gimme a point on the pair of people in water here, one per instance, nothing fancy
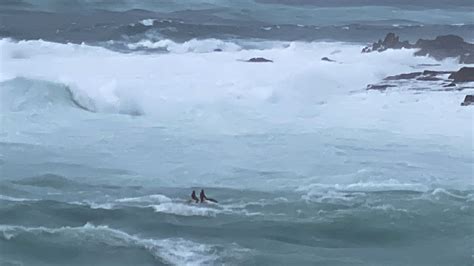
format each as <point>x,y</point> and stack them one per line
<point>202,197</point>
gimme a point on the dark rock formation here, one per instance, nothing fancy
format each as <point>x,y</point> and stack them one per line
<point>391,41</point>
<point>416,81</point>
<point>218,50</point>
<point>259,60</point>
<point>327,59</point>
<point>428,78</point>
<point>468,100</point>
<point>465,74</point>
<point>427,75</point>
<point>447,46</point>
<point>440,48</point>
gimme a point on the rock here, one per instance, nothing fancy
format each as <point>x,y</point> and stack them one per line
<point>259,60</point>
<point>379,87</point>
<point>427,75</point>
<point>440,48</point>
<point>218,50</point>
<point>450,85</point>
<point>391,41</point>
<point>327,59</point>
<point>428,78</point>
<point>468,100</point>
<point>446,46</point>
<point>404,76</point>
<point>464,74</point>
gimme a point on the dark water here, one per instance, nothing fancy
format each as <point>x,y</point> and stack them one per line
<point>100,21</point>
<point>333,227</point>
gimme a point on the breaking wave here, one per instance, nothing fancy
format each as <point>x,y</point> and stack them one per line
<point>22,94</point>
<point>177,251</point>
<point>217,89</point>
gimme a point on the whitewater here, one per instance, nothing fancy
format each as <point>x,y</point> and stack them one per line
<point>102,143</point>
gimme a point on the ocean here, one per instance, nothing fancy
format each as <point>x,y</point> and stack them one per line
<point>113,112</point>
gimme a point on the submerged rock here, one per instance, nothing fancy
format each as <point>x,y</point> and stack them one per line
<point>327,59</point>
<point>450,85</point>
<point>416,81</point>
<point>464,74</point>
<point>468,100</point>
<point>259,60</point>
<point>440,48</point>
<point>379,87</point>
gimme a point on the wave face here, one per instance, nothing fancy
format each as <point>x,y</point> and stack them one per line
<point>298,91</point>
<point>113,112</point>
<point>163,251</point>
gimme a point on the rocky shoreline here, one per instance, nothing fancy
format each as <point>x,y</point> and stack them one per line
<point>430,80</point>
<point>440,48</point>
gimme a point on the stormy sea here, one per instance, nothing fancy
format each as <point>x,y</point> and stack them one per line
<point>330,132</point>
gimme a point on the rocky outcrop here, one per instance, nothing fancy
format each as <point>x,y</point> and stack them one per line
<point>427,75</point>
<point>465,74</point>
<point>404,76</point>
<point>446,46</point>
<point>259,60</point>
<point>428,80</point>
<point>440,48</point>
<point>468,100</point>
<point>391,41</point>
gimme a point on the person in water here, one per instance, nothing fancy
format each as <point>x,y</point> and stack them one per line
<point>203,197</point>
<point>194,197</point>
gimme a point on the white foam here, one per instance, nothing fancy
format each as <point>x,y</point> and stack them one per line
<point>155,198</point>
<point>351,193</point>
<point>184,209</point>
<point>95,205</point>
<point>442,191</point>
<point>8,198</point>
<point>388,208</point>
<point>385,185</point>
<point>191,46</point>
<point>147,22</point>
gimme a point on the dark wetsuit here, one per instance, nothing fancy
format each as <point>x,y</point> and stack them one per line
<point>194,197</point>
<point>203,197</point>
